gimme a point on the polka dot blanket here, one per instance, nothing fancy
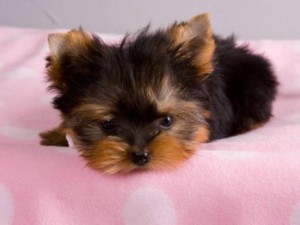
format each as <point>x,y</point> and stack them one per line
<point>249,179</point>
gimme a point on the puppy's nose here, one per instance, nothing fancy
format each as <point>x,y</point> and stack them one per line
<point>140,158</point>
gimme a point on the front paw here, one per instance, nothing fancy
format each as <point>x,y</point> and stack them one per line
<point>55,137</point>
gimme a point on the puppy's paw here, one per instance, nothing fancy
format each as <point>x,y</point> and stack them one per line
<point>56,137</point>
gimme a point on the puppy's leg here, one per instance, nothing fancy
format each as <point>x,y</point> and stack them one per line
<point>56,136</point>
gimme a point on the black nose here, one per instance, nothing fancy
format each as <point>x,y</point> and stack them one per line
<point>140,158</point>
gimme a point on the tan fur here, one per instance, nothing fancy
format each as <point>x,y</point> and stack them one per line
<point>110,156</point>
<point>202,134</point>
<point>92,111</point>
<point>75,43</point>
<point>167,100</point>
<point>207,114</point>
<point>168,152</point>
<point>76,40</point>
<point>198,27</point>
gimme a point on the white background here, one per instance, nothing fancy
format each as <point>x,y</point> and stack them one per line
<point>251,19</point>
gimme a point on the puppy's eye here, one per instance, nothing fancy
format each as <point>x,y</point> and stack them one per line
<point>108,125</point>
<point>166,122</point>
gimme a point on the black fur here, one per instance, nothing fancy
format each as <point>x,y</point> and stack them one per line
<point>238,92</point>
<point>242,89</point>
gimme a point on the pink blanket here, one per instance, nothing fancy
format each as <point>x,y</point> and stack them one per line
<point>250,179</point>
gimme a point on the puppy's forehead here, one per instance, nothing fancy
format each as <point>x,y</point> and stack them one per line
<point>145,54</point>
<point>144,102</point>
<point>142,106</point>
<point>92,110</point>
<point>140,103</point>
<point>149,103</point>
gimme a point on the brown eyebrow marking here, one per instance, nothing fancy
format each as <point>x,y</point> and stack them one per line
<point>93,111</point>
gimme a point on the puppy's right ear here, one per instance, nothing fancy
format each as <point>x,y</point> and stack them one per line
<point>56,43</point>
<point>68,54</point>
<point>75,42</point>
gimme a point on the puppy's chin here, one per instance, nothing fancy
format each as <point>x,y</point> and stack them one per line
<point>112,155</point>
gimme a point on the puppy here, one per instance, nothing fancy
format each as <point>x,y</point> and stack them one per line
<point>148,102</point>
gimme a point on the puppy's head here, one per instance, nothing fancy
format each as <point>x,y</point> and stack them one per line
<point>138,104</point>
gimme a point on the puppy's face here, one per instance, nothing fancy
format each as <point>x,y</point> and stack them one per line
<point>137,105</point>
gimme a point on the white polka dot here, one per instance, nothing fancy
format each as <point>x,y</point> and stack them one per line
<point>232,155</point>
<point>293,118</point>
<point>295,215</point>
<point>149,206</point>
<point>297,47</point>
<point>18,133</point>
<point>23,73</point>
<point>66,150</point>
<point>6,206</point>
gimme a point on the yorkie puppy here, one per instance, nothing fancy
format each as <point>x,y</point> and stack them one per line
<point>147,102</point>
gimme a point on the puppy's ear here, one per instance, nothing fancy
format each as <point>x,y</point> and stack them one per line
<point>70,55</point>
<point>74,42</point>
<point>56,42</point>
<point>194,39</point>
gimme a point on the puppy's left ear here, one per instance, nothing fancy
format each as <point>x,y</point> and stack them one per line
<point>194,39</point>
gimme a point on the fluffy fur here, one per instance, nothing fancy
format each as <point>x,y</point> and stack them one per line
<point>149,101</point>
